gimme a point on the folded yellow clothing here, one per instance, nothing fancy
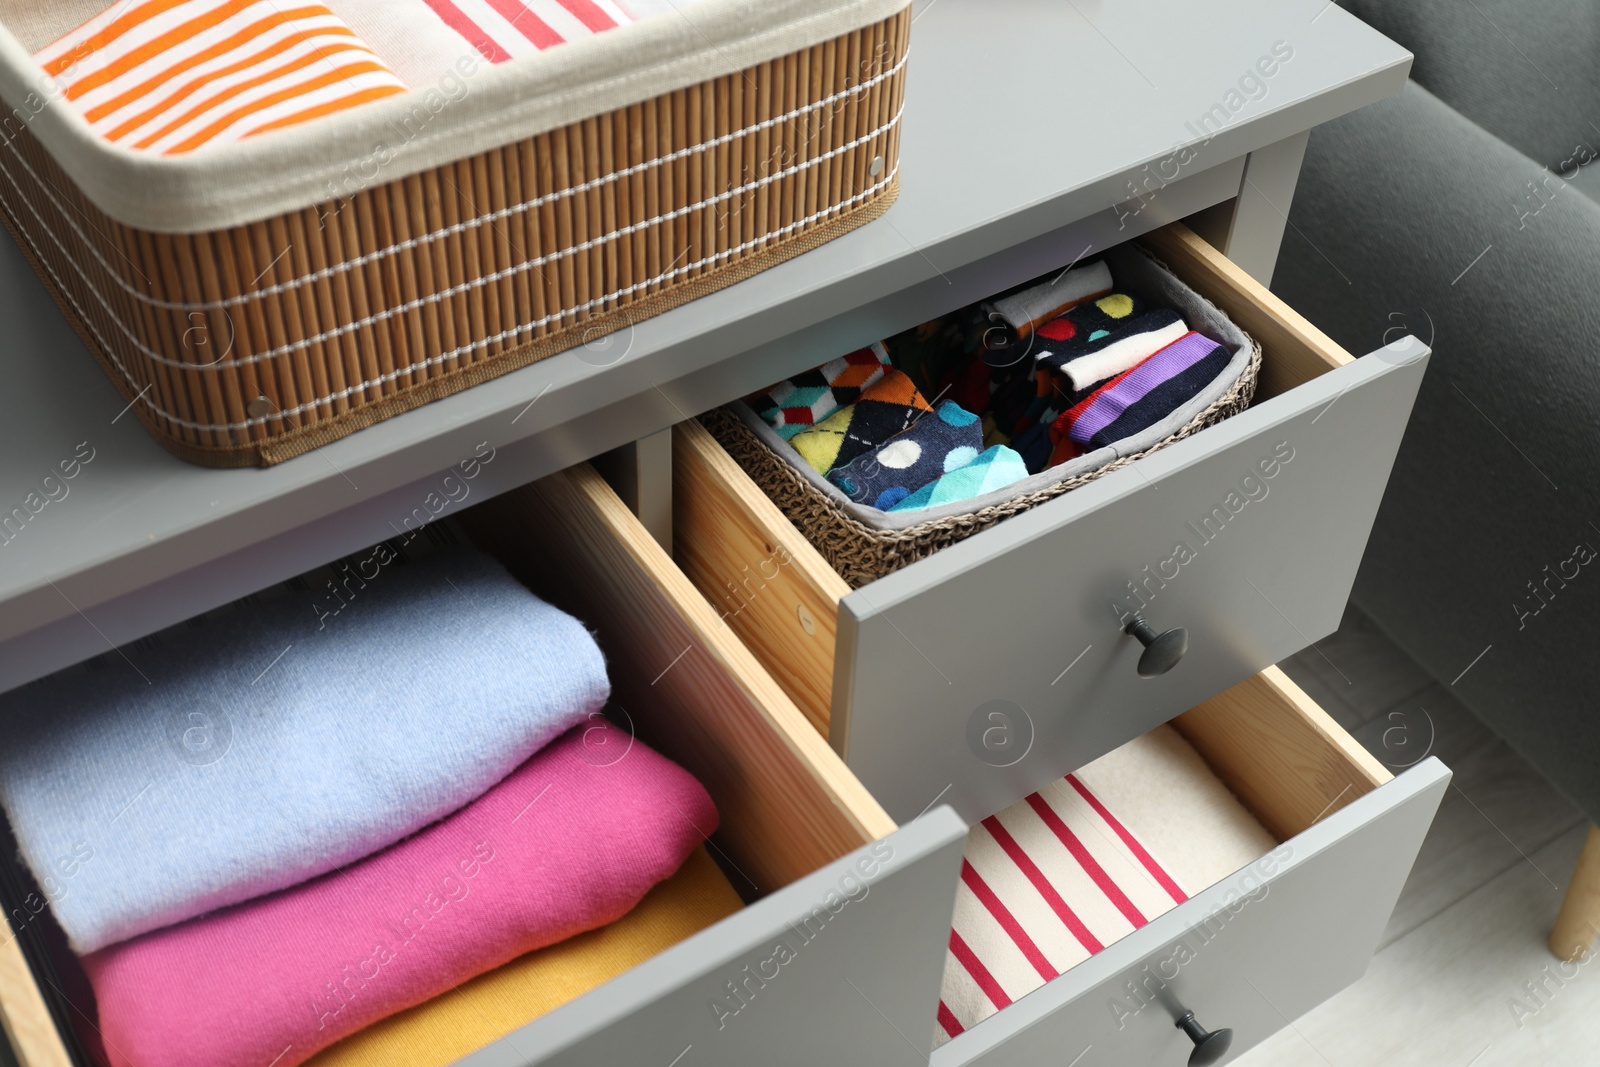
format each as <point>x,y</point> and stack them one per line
<point>493,1005</point>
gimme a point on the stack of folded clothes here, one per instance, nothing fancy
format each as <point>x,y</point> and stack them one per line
<point>1024,382</point>
<point>298,825</point>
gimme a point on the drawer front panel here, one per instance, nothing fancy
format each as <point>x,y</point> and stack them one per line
<point>847,893</point>
<point>1252,953</point>
<point>836,968</point>
<point>987,670</point>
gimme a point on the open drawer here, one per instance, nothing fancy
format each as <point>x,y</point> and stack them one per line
<point>849,916</point>
<point>1264,945</point>
<point>976,673</point>
<point>825,871</point>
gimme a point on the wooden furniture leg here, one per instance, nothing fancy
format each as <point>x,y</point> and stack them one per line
<point>1579,920</point>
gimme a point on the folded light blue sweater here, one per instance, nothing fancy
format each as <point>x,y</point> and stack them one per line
<point>277,740</point>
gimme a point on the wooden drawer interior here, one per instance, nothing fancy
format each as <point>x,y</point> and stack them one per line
<point>779,593</point>
<point>693,690</point>
<point>695,693</point>
<point>688,686</point>
<point>1319,899</point>
<point>1283,756</point>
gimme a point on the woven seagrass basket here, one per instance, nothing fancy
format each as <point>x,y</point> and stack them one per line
<point>862,553</point>
<point>249,343</point>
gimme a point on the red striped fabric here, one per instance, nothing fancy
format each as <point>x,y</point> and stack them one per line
<point>1082,863</point>
<point>470,31</point>
<point>1145,859</point>
<point>1045,884</point>
<point>1086,861</point>
<point>506,29</point>
<point>980,889</point>
<point>1042,885</point>
<point>980,974</point>
<point>947,1020</point>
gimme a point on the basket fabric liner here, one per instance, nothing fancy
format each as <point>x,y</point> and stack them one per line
<point>241,182</point>
<point>388,285</point>
<point>864,543</point>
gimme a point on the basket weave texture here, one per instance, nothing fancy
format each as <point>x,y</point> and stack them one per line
<point>862,554</point>
<point>253,344</point>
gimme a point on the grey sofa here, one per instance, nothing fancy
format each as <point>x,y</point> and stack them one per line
<point>1463,211</point>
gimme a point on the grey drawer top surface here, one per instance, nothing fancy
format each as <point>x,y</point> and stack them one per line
<point>135,517</point>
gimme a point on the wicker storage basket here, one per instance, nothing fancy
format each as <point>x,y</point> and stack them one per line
<point>862,552</point>
<point>249,316</point>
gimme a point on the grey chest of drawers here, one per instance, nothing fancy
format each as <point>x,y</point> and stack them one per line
<point>1035,134</point>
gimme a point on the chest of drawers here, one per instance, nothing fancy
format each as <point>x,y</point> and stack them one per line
<point>817,716</point>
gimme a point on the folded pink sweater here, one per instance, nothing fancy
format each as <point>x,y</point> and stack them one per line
<point>570,841</point>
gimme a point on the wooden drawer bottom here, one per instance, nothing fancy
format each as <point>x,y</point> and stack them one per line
<point>1264,945</point>
<point>799,835</point>
<point>848,916</point>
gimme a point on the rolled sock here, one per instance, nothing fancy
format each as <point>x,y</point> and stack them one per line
<point>796,405</point>
<point>1087,323</point>
<point>443,1030</point>
<point>1012,401</point>
<point>1064,447</point>
<point>1026,310</point>
<point>949,438</point>
<point>1118,350</point>
<point>928,352</point>
<point>995,469</point>
<point>568,842</point>
<point>285,737</point>
<point>1150,392</point>
<point>884,410</point>
<point>1034,445</point>
<point>1076,332</point>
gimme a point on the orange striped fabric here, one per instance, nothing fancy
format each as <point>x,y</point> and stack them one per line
<point>171,76</point>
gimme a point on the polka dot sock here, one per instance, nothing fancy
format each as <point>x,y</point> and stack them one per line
<point>995,469</point>
<point>883,411</point>
<point>935,444</point>
<point>1082,361</point>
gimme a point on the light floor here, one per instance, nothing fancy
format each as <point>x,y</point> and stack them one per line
<point>1448,987</point>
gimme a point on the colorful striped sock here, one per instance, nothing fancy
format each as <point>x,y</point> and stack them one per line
<point>1150,391</point>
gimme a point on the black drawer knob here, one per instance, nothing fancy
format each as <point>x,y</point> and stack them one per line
<point>1161,651</point>
<point>1209,1045</point>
